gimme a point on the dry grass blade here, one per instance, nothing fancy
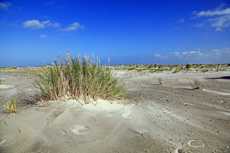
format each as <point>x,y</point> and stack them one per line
<point>198,84</point>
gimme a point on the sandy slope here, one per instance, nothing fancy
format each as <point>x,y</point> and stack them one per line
<point>158,118</point>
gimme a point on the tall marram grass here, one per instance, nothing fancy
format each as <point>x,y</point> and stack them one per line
<point>78,78</point>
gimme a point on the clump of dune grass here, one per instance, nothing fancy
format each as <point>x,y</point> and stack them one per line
<point>160,81</point>
<point>188,66</point>
<point>151,66</point>
<point>2,81</point>
<point>13,68</point>
<point>11,106</point>
<point>198,84</point>
<point>78,78</point>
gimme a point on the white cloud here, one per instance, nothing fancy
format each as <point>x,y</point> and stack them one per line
<point>73,26</point>
<point>43,36</point>
<point>4,6</point>
<point>192,52</point>
<point>55,25</point>
<point>185,53</point>
<point>201,56</point>
<point>181,20</point>
<point>196,54</point>
<point>221,20</point>
<point>176,28</point>
<point>49,3</point>
<point>212,13</point>
<point>199,25</point>
<point>157,55</point>
<point>35,24</point>
<point>176,53</point>
<point>46,22</point>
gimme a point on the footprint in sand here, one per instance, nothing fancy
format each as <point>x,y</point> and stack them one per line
<point>79,130</point>
<point>191,143</point>
<point>195,144</point>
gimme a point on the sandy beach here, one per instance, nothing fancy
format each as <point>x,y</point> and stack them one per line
<point>167,118</point>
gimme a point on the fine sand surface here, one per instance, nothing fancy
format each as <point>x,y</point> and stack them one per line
<point>156,118</point>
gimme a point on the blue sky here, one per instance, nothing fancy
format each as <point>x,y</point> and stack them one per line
<point>126,31</point>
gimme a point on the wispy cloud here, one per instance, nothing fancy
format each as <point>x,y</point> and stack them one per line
<point>49,3</point>
<point>201,56</point>
<point>220,17</point>
<point>157,55</point>
<point>74,26</point>
<point>48,23</point>
<point>181,20</point>
<point>199,25</point>
<point>55,25</point>
<point>36,24</point>
<point>4,6</point>
<point>176,28</point>
<point>220,22</point>
<point>213,13</point>
<point>43,36</point>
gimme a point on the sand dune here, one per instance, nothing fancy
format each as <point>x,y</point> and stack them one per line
<point>157,118</point>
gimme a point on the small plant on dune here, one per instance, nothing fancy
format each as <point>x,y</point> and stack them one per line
<point>151,66</point>
<point>198,85</point>
<point>160,81</point>
<point>206,70</point>
<point>2,81</point>
<point>11,107</point>
<point>78,78</point>
<point>133,68</point>
<point>143,73</point>
<point>13,68</point>
<point>188,66</point>
<point>203,66</point>
<point>161,66</point>
<point>176,71</point>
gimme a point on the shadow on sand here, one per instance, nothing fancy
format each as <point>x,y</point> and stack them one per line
<point>224,77</point>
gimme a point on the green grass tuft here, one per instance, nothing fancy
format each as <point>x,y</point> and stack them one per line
<point>78,78</point>
<point>11,107</point>
<point>2,81</point>
<point>198,84</point>
<point>188,66</point>
<point>160,81</point>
